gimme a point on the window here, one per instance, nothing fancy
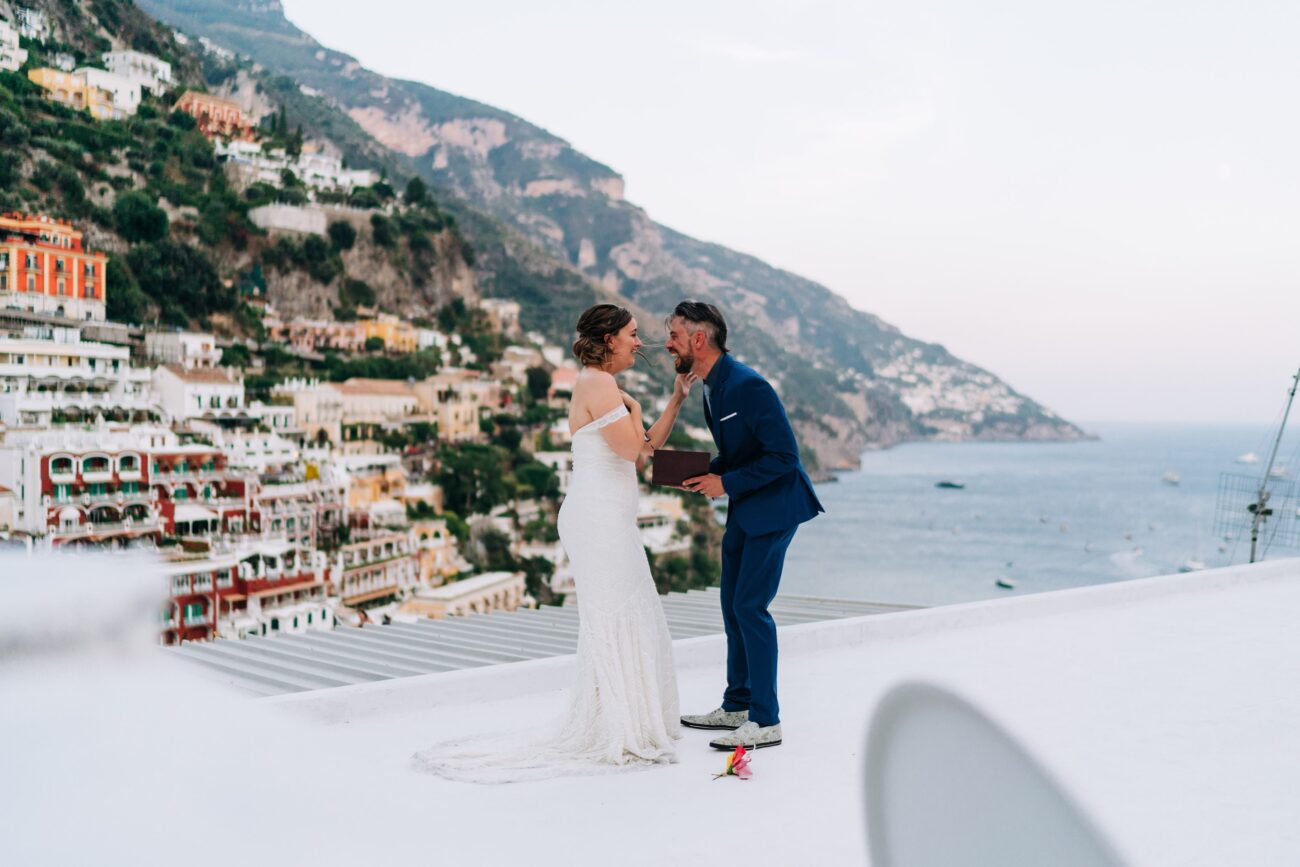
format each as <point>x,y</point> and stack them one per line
<point>62,493</point>
<point>58,266</point>
<point>62,290</point>
<point>31,283</point>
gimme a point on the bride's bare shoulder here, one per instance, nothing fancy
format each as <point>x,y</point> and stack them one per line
<point>592,381</point>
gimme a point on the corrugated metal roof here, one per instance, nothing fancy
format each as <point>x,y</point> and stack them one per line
<point>318,660</point>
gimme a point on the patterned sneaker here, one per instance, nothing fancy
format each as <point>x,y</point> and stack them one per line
<point>725,720</point>
<point>752,735</point>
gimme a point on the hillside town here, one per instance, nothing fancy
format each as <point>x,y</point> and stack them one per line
<point>293,473</point>
<point>319,506</point>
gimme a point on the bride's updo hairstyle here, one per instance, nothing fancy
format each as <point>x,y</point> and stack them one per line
<point>594,326</point>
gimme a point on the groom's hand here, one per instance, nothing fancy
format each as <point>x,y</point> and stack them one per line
<point>710,485</point>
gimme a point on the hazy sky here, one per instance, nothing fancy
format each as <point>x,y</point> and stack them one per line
<point>1099,202</point>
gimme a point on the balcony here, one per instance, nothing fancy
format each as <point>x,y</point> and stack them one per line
<point>201,619</point>
<point>97,476</point>
<point>105,528</point>
<point>66,477</point>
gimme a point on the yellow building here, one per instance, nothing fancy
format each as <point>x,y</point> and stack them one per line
<point>398,335</point>
<point>72,89</point>
<point>371,479</point>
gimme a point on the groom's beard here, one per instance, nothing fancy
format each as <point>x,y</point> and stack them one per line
<point>683,363</point>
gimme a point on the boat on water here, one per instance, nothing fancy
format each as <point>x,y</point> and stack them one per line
<point>1191,566</point>
<point>1171,478</point>
<point>1279,472</point>
<point>1248,458</point>
<point>951,485</point>
<point>1006,583</point>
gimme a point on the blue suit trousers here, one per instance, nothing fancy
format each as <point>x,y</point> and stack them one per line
<point>751,573</point>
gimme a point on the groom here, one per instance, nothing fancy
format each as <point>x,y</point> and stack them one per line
<point>770,496</point>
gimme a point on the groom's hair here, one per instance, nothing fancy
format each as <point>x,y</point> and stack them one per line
<point>704,317</point>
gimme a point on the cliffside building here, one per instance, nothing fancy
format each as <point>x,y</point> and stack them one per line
<point>217,117</point>
<point>44,268</point>
<point>11,55</point>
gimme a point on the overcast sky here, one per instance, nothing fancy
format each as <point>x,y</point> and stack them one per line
<point>1099,202</point>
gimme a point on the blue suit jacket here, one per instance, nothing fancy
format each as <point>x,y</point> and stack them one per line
<point>758,457</point>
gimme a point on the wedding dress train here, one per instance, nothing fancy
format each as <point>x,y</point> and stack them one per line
<point>622,710</point>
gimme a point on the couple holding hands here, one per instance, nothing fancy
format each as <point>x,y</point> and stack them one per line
<point>622,712</point>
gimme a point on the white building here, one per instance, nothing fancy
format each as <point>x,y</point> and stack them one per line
<point>50,376</point>
<point>561,462</point>
<point>32,24</point>
<point>481,594</point>
<point>249,163</point>
<point>45,469</point>
<point>278,418</point>
<point>189,349</point>
<point>376,401</point>
<point>143,69</point>
<point>316,407</point>
<point>503,315</point>
<point>325,172</point>
<point>11,55</point>
<point>256,450</point>
<point>202,393</point>
<point>125,92</point>
<point>657,518</point>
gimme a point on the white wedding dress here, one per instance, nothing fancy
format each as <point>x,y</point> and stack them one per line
<point>622,711</point>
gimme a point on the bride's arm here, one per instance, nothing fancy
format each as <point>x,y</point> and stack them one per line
<point>624,436</point>
<point>659,431</point>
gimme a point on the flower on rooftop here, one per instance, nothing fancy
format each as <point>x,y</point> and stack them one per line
<point>737,765</point>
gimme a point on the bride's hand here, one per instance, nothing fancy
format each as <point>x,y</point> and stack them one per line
<point>682,385</point>
<point>629,402</point>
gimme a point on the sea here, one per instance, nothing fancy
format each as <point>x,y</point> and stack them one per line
<point>1039,516</point>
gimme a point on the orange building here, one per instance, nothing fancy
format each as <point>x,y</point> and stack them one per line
<point>43,268</point>
<point>217,117</point>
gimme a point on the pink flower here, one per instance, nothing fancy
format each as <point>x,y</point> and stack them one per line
<point>737,765</point>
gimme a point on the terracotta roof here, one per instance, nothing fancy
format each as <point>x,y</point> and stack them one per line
<point>214,375</point>
<point>357,385</point>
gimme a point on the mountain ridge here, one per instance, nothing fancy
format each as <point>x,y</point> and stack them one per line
<point>850,379</point>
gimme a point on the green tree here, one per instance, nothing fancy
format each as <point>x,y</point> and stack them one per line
<point>417,193</point>
<point>539,477</point>
<point>382,230</point>
<point>472,478</point>
<point>180,279</point>
<point>495,546</point>
<point>236,355</point>
<point>124,302</point>
<point>539,382</point>
<point>138,219</point>
<point>537,575</point>
<point>374,344</point>
<point>342,234</point>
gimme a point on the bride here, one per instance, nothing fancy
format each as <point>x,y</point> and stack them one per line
<point>622,710</point>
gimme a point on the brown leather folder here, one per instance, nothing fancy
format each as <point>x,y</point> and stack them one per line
<point>672,467</point>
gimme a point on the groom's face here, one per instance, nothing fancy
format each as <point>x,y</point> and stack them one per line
<point>679,345</point>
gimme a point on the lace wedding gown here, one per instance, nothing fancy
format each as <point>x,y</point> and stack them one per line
<point>622,711</point>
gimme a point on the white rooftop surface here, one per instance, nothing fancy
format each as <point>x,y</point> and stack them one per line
<point>1164,707</point>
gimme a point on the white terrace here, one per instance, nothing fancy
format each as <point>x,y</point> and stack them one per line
<point>1161,710</point>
